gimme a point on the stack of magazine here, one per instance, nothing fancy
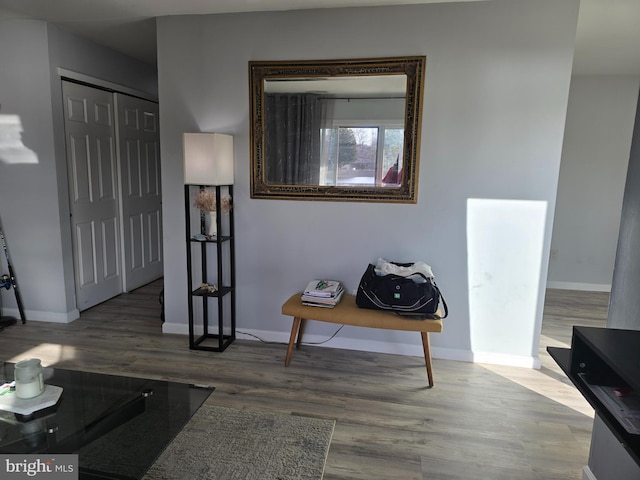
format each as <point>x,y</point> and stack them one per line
<point>322,293</point>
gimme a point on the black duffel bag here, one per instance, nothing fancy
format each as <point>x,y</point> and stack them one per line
<point>400,294</point>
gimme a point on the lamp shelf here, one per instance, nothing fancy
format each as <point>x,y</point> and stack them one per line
<point>220,239</point>
<point>212,315</point>
<point>202,292</point>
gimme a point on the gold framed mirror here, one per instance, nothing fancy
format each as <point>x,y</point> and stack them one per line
<point>342,130</point>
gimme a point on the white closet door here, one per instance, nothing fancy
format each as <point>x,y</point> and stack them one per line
<point>92,169</point>
<point>139,152</point>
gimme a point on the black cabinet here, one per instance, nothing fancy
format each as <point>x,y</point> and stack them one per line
<point>210,272</point>
<point>604,364</point>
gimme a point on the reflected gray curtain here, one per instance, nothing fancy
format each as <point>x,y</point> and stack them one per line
<point>292,138</point>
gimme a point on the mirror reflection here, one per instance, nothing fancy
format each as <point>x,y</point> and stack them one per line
<point>338,130</point>
<point>335,131</point>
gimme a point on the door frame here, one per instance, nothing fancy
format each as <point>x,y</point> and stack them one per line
<point>64,73</point>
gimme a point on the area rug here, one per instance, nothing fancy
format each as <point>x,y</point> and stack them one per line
<point>221,443</point>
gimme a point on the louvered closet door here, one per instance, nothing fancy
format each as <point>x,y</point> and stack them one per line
<point>93,190</point>
<point>139,149</point>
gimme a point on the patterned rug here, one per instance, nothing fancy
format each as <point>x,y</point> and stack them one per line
<point>221,443</point>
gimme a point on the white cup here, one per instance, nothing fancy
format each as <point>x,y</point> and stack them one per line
<point>29,378</point>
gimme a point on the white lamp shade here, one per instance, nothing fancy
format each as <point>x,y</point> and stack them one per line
<point>208,159</point>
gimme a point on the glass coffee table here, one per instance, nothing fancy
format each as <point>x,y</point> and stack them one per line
<point>117,425</point>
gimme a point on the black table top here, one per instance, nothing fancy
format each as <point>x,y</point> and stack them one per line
<point>117,425</point>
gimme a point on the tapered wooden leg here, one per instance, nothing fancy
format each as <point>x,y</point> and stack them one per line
<point>427,356</point>
<point>294,332</point>
<point>302,322</point>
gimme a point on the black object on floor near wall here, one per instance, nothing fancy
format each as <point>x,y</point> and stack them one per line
<point>5,321</point>
<point>9,281</point>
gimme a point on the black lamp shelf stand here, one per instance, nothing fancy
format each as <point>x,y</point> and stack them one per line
<point>201,248</point>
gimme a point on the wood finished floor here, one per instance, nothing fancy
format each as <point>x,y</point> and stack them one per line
<point>478,422</point>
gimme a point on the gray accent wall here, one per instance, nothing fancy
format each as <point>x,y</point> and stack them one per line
<point>496,91</point>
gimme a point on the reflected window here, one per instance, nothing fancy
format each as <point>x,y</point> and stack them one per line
<point>362,155</point>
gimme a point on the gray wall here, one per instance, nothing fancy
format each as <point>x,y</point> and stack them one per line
<point>594,163</point>
<point>30,218</point>
<point>497,81</point>
<point>33,198</point>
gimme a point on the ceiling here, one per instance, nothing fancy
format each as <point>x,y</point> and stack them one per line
<point>607,39</point>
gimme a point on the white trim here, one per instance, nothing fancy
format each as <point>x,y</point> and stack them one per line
<point>395,348</point>
<point>587,474</point>
<point>114,87</point>
<point>454,354</point>
<point>38,316</point>
<point>175,328</point>
<point>587,287</point>
<point>120,205</point>
<point>508,360</point>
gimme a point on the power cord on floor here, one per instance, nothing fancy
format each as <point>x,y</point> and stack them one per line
<point>283,343</point>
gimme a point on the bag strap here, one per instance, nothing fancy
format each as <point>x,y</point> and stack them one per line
<point>444,303</point>
<point>440,300</point>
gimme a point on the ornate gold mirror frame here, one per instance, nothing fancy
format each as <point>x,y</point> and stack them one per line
<point>365,149</point>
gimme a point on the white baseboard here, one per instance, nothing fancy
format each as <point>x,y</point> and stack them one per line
<point>38,316</point>
<point>587,287</point>
<point>395,348</point>
<point>451,354</point>
<point>508,360</point>
<point>587,474</point>
<point>176,328</point>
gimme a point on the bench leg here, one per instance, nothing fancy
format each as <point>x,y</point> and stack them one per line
<point>300,330</point>
<point>427,356</point>
<point>292,339</point>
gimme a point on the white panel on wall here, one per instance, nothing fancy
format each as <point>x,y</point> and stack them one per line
<point>504,251</point>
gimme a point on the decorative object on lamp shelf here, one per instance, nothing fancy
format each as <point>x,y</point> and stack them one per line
<point>206,203</point>
<point>208,159</point>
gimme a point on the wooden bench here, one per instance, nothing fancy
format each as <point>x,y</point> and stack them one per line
<point>348,313</point>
